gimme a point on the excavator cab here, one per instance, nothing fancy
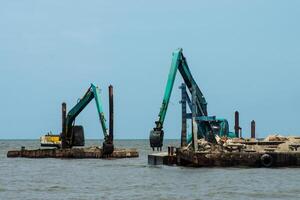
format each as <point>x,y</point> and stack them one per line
<point>221,128</point>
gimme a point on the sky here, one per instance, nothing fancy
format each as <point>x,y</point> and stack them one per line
<point>244,55</point>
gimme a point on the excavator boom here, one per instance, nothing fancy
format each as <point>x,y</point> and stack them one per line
<point>204,122</point>
<point>92,93</point>
<point>73,135</point>
<point>157,134</point>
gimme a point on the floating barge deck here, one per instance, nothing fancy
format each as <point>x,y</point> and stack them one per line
<point>229,159</point>
<point>86,152</point>
<point>241,154</point>
<point>246,159</point>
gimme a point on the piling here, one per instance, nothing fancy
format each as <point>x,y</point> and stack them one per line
<point>194,123</point>
<point>64,116</point>
<point>252,129</point>
<point>237,128</point>
<point>111,112</point>
<point>63,120</point>
<point>183,115</point>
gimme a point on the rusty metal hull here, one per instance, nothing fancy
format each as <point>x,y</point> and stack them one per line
<point>228,159</point>
<point>89,152</point>
<point>231,159</point>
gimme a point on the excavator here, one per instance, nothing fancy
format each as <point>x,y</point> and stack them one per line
<point>73,135</point>
<point>205,126</point>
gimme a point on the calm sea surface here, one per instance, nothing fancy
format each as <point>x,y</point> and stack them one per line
<point>22,178</point>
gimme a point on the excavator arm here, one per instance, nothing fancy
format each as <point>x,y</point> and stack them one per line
<point>157,134</point>
<point>178,63</point>
<point>190,82</point>
<point>68,133</point>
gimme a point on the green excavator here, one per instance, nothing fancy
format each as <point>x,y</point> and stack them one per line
<point>73,135</point>
<point>204,126</point>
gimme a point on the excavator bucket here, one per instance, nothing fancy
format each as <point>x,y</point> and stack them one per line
<point>156,139</point>
<point>108,148</point>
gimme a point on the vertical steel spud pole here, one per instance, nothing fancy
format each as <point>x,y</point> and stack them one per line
<point>183,115</point>
<point>253,129</point>
<point>194,122</point>
<point>63,120</point>
<point>236,123</point>
<point>111,113</point>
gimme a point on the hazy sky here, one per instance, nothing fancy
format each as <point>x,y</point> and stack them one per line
<point>244,55</point>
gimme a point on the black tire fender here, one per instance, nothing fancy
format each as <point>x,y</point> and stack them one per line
<point>266,160</point>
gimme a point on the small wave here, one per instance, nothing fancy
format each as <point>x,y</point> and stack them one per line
<point>123,165</point>
<point>56,188</point>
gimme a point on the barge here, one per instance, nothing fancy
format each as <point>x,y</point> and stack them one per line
<point>274,151</point>
<point>86,152</point>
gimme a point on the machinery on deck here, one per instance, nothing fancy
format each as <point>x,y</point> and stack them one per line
<point>50,140</point>
<point>73,135</point>
<point>203,126</point>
